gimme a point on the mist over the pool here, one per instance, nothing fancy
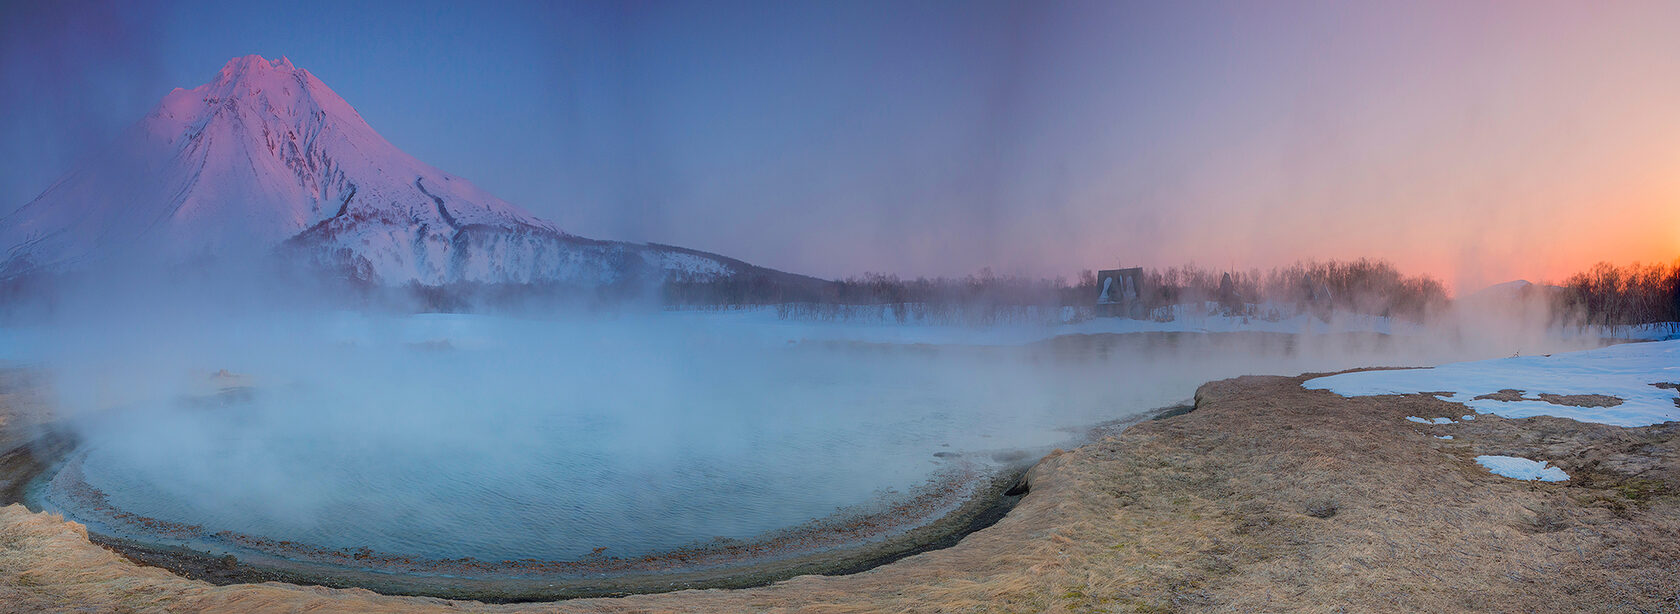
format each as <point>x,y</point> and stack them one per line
<point>625,432</point>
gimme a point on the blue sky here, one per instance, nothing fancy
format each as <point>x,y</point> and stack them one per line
<point>942,137</point>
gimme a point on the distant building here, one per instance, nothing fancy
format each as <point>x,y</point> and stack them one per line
<point>1117,291</point>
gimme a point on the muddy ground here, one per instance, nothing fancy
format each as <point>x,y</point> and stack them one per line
<point>1266,497</point>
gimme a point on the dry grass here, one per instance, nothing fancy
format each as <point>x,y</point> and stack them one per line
<point>1266,498</point>
<point>1573,400</point>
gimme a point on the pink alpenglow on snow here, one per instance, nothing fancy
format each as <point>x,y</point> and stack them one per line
<point>265,155</point>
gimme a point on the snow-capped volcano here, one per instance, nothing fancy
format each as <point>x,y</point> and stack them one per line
<point>266,158</point>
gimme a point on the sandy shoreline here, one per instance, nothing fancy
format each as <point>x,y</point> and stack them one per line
<point>1265,497</point>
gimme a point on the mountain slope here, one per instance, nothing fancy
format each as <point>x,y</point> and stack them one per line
<point>267,159</point>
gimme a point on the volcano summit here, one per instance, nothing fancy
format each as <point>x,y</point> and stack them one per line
<point>266,159</point>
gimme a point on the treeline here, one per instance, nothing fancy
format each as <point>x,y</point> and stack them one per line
<point>1604,295</point>
<point>1362,286</point>
<point>1609,295</point>
<point>981,299</point>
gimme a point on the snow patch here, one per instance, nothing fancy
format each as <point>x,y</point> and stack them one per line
<point>1519,468</point>
<point>1430,420</point>
<point>1626,371</point>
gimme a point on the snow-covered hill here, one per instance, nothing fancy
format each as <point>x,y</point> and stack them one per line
<point>266,159</point>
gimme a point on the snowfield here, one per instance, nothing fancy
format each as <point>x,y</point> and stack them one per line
<point>1641,375</point>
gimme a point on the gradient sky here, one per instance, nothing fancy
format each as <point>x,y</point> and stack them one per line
<point>1478,142</point>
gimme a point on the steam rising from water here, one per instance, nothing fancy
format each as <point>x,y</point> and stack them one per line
<point>504,438</point>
